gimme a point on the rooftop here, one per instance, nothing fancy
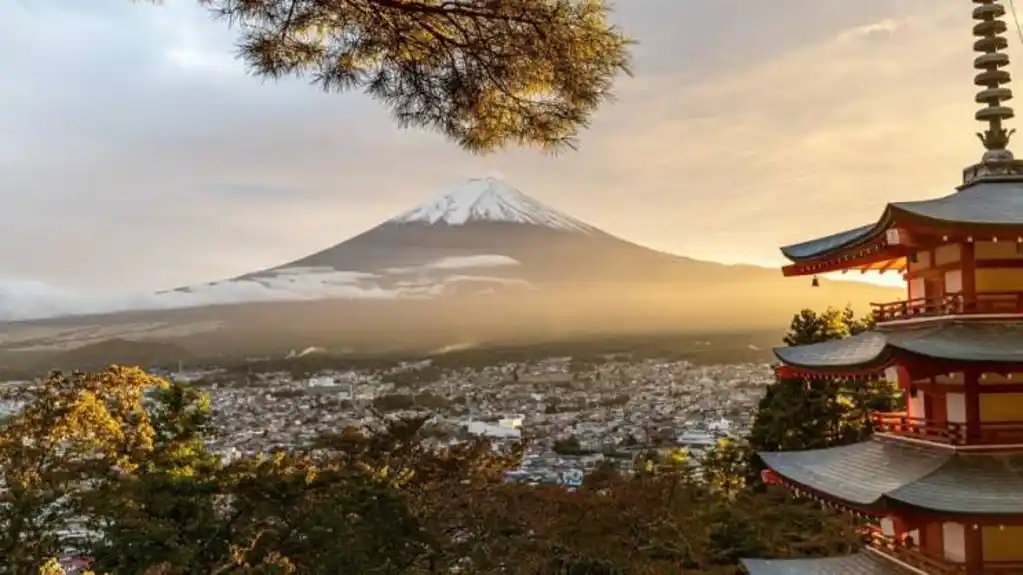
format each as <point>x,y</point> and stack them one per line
<point>880,472</point>
<point>864,563</point>
<point>961,341</point>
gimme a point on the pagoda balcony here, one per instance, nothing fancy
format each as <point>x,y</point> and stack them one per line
<point>947,433</point>
<point>950,304</point>
<point>910,554</point>
<point>927,561</point>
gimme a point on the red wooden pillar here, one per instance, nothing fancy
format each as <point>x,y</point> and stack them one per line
<point>968,256</point>
<point>971,384</point>
<point>974,540</point>
<point>902,526</point>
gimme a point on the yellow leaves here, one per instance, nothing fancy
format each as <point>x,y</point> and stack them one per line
<point>678,456</point>
<point>52,567</point>
<point>387,475</point>
<point>73,420</point>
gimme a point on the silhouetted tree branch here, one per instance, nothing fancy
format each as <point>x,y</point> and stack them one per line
<point>486,73</point>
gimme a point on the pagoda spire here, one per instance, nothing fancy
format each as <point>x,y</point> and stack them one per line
<point>992,79</point>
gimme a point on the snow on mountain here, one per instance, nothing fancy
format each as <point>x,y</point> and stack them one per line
<point>489,200</point>
<point>439,248</point>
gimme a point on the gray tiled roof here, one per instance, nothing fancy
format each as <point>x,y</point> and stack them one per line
<point>861,473</point>
<point>981,204</point>
<point>978,484</point>
<point>812,248</point>
<point>863,563</point>
<point>880,469</point>
<point>984,203</point>
<point>965,341</point>
<point>954,340</point>
<point>860,349</point>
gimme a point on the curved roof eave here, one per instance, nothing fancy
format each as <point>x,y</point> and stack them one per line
<point>995,204</point>
<point>821,248</point>
<point>858,351</point>
<point>955,341</point>
<point>862,563</point>
<point>981,484</point>
<point>861,473</point>
<point>964,341</point>
<point>881,471</point>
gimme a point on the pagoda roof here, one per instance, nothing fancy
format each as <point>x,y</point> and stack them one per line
<point>985,204</point>
<point>882,471</point>
<point>818,247</point>
<point>966,341</point>
<point>863,563</point>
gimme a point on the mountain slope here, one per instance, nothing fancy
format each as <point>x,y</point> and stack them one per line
<point>480,262</point>
<point>117,351</point>
<point>483,232</point>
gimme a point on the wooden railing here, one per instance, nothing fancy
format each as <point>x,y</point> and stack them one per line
<point>1003,567</point>
<point>988,432</point>
<point>912,555</point>
<point>950,304</point>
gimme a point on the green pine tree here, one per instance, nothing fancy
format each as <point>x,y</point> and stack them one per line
<point>487,74</point>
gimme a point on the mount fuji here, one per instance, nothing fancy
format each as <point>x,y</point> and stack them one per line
<point>481,260</point>
<point>481,237</point>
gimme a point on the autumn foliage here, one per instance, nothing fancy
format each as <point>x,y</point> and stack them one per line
<point>122,456</point>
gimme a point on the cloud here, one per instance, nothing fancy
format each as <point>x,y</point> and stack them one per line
<point>23,300</point>
<point>875,30</point>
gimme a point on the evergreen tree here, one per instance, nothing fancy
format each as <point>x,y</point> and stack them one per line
<point>808,326</point>
<point>165,510</point>
<point>724,466</point>
<point>485,73</point>
<point>797,413</point>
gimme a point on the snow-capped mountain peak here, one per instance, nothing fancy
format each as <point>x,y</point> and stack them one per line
<point>489,200</point>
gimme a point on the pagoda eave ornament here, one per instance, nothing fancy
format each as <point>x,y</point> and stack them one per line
<point>996,140</point>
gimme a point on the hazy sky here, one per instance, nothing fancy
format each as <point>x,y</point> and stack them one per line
<point>135,153</point>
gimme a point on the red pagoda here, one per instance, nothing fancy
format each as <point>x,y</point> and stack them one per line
<point>942,481</point>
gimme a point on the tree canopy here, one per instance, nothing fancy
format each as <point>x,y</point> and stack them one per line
<point>797,414</point>
<point>116,466</point>
<point>122,457</point>
<point>486,73</point>
<point>809,326</point>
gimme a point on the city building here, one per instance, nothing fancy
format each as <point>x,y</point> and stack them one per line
<point>941,483</point>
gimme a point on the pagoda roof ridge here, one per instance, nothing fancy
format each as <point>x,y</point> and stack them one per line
<point>952,340</point>
<point>862,563</point>
<point>986,205</point>
<point>883,471</point>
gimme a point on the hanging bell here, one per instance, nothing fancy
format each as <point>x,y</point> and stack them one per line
<point>816,282</point>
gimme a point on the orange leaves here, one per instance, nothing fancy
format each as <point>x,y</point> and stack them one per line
<point>70,430</point>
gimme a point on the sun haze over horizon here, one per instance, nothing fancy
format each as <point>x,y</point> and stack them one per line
<point>748,125</point>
